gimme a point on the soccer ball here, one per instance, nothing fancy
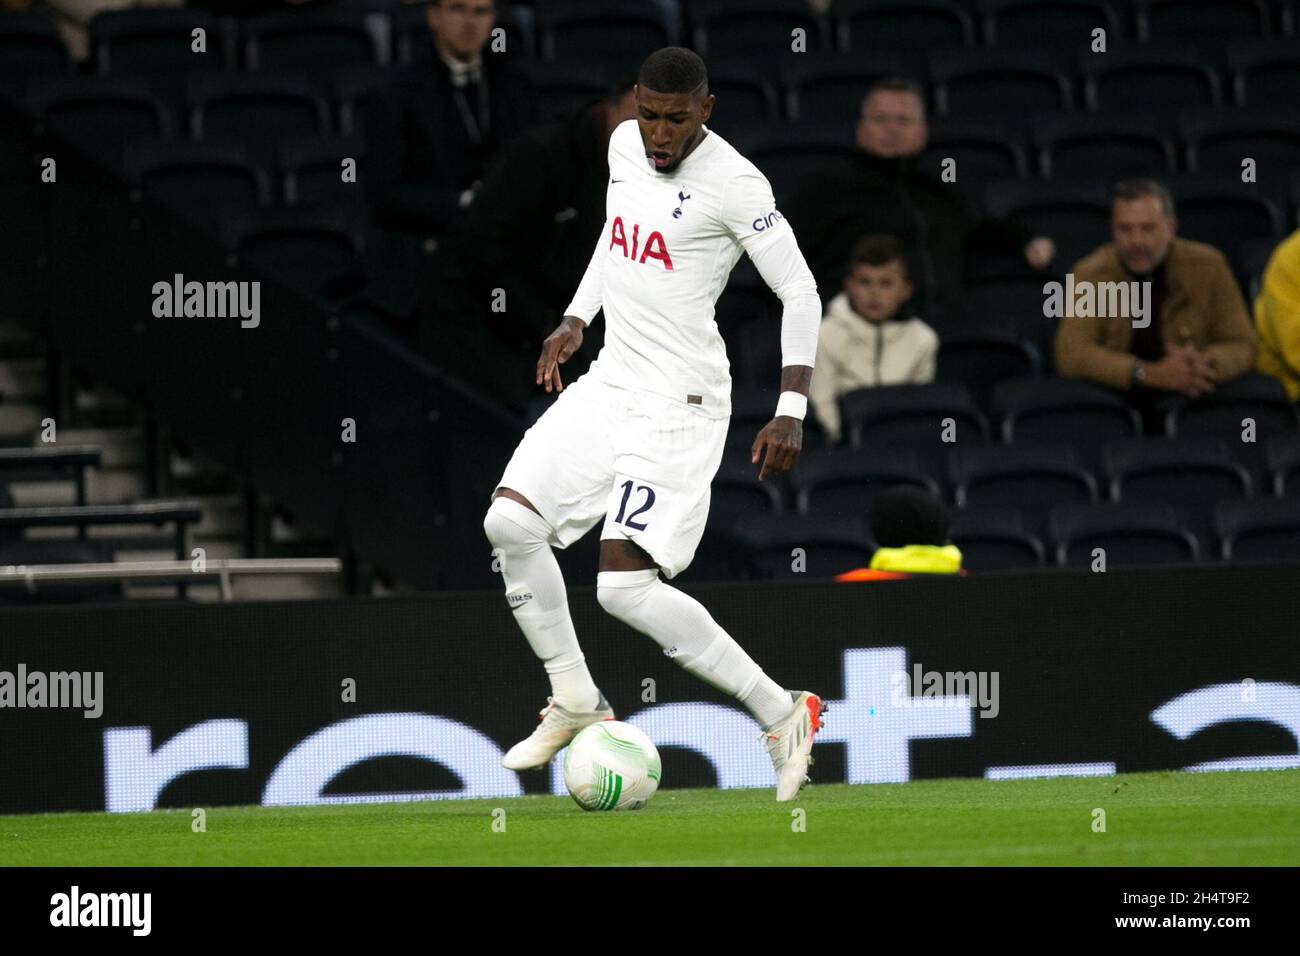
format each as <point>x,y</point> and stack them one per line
<point>611,765</point>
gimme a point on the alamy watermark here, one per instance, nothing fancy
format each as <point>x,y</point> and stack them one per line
<point>208,300</point>
<point>1102,300</point>
<point>924,688</point>
<point>81,690</point>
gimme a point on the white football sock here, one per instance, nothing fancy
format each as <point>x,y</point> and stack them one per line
<point>536,593</point>
<point>691,637</point>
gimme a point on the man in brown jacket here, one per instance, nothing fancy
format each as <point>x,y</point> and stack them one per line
<point>1196,332</point>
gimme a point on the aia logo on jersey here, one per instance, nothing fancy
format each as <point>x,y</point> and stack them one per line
<point>654,248</point>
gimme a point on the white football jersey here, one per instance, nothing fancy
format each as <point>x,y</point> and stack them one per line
<point>669,243</point>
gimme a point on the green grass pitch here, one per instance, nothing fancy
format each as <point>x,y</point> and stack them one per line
<point>1168,819</point>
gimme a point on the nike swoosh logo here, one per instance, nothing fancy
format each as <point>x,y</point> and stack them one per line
<point>613,181</point>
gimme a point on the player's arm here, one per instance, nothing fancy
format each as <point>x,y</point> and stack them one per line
<point>560,345</point>
<point>783,268</point>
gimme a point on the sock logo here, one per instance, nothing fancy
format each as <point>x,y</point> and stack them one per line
<point>518,599</point>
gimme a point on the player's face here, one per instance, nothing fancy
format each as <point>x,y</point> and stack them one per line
<point>877,292</point>
<point>461,26</point>
<point>1142,233</point>
<point>892,124</point>
<point>671,125</point>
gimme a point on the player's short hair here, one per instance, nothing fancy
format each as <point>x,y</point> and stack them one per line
<point>905,515</point>
<point>674,69</point>
<point>1130,189</point>
<point>896,84</point>
<point>877,250</point>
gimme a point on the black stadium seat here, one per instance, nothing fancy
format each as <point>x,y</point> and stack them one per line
<point>1130,535</point>
<point>746,93</point>
<point>1282,461</point>
<point>1010,86</point>
<point>1075,214</point>
<point>258,110</point>
<point>1144,80</point>
<point>916,417</point>
<point>898,24</point>
<point>1265,72</point>
<point>311,171</point>
<point>1029,478</point>
<point>1224,213</point>
<point>1162,20</point>
<point>315,250</point>
<point>152,41</point>
<point>758,29</point>
<point>830,89</point>
<point>1260,529</point>
<point>626,30</point>
<point>996,540</point>
<point>982,359</point>
<point>1191,473</point>
<point>736,493</point>
<point>30,46</point>
<point>845,481</point>
<point>102,113</point>
<point>827,545</point>
<point>1061,24</point>
<point>205,181</point>
<point>313,40</point>
<point>984,151</point>
<point>1223,413</point>
<point>1049,410</point>
<point>561,89</point>
<point>1217,142</point>
<point>1076,146</point>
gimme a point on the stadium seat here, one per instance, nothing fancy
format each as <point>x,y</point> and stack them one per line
<point>894,24</point>
<point>318,251</point>
<point>1012,305</point>
<point>745,92</point>
<point>915,417</point>
<point>358,93</point>
<point>1076,215</point>
<point>1251,260</point>
<point>101,113</point>
<point>1000,84</point>
<point>155,41</point>
<point>30,46</point>
<point>311,40</point>
<point>1029,478</point>
<point>996,540</point>
<point>1222,413</point>
<point>1260,529</point>
<point>625,30</point>
<point>1050,410</point>
<point>562,89</point>
<point>827,545</point>
<point>1265,72</point>
<point>984,151</point>
<point>736,493</point>
<point>1282,461</point>
<point>311,171</point>
<point>1193,474</point>
<point>1162,20</point>
<point>1146,81</point>
<point>205,181</point>
<point>1130,535</point>
<point>981,359</point>
<point>830,89</point>
<point>845,481</point>
<point>257,110</point>
<point>758,29</point>
<point>791,156</point>
<point>1060,24</point>
<point>1224,213</point>
<point>1218,141</point>
<point>1076,146</point>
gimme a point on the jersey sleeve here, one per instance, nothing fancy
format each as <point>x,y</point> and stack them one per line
<point>749,212</point>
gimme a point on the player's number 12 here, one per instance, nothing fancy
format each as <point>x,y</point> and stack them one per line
<point>622,506</point>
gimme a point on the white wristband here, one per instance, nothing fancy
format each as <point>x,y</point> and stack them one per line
<point>792,404</point>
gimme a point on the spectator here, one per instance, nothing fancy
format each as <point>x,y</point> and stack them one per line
<point>1277,316</point>
<point>863,339</point>
<point>883,189</point>
<point>911,528</point>
<point>448,120</point>
<point>532,227</point>
<point>1198,334</point>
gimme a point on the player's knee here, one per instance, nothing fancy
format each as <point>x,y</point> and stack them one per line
<point>623,594</point>
<point>511,526</point>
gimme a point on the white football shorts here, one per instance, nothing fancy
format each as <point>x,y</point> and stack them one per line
<point>641,461</point>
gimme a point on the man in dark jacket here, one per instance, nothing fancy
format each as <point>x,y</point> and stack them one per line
<point>883,189</point>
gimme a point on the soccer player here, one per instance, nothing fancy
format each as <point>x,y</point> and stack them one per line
<point>637,440</point>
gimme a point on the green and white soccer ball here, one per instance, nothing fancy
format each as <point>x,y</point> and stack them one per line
<point>611,765</point>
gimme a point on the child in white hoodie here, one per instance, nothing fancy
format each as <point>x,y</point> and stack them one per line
<point>862,341</point>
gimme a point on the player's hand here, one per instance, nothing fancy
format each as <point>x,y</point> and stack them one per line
<point>783,438</point>
<point>556,350</point>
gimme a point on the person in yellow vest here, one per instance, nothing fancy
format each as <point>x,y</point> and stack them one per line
<point>1277,316</point>
<point>911,528</point>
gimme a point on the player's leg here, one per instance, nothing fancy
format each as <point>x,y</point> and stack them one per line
<point>551,493</point>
